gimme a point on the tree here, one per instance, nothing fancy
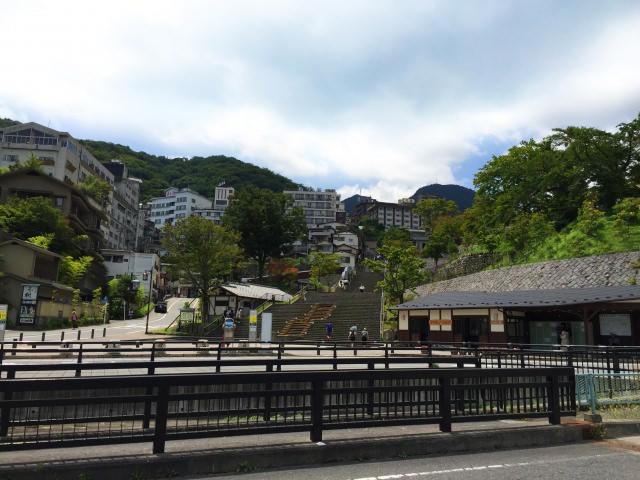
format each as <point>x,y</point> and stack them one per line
<point>127,290</point>
<point>323,265</point>
<point>36,217</point>
<point>432,209</point>
<point>444,239</point>
<point>95,188</point>
<point>402,270</point>
<point>268,223</point>
<point>73,269</point>
<point>397,236</point>
<point>204,253</point>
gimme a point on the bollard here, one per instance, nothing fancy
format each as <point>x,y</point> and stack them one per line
<point>79,333</point>
<point>21,336</point>
<point>62,337</point>
<point>93,332</point>
<point>104,332</point>
<point>15,345</point>
<point>43,336</point>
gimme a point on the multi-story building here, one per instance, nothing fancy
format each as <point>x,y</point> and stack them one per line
<point>399,214</point>
<point>137,265</point>
<point>223,193</point>
<point>66,159</point>
<point>177,203</point>
<point>320,206</point>
<point>123,208</point>
<point>62,156</point>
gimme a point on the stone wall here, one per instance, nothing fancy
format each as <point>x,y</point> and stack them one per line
<point>594,271</point>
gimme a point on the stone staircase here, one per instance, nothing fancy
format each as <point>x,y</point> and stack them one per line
<point>297,328</point>
<point>350,307</point>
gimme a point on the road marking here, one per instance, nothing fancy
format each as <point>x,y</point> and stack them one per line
<point>443,472</point>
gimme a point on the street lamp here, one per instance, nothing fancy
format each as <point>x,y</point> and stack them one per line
<point>146,328</point>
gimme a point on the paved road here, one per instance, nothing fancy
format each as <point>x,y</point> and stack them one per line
<point>115,330</point>
<point>576,461</point>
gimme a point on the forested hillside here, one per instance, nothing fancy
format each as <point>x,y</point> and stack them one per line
<point>201,174</point>
<point>573,193</point>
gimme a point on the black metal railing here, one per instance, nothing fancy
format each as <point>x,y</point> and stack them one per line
<point>585,359</point>
<point>90,410</point>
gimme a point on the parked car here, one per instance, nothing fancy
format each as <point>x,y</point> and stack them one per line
<point>161,307</point>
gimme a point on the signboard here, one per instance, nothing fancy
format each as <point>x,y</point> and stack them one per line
<point>618,323</point>
<point>3,320</point>
<point>253,326</point>
<point>228,323</point>
<point>187,314</point>
<point>28,304</point>
<point>265,331</point>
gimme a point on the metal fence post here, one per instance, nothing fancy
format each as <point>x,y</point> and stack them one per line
<point>162,412</point>
<point>317,407</point>
<point>444,404</point>
<point>553,393</point>
<point>79,370</point>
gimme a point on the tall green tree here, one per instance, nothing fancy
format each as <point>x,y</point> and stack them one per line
<point>402,269</point>
<point>204,253</point>
<point>35,217</point>
<point>268,223</point>
<point>323,266</point>
<point>432,210</point>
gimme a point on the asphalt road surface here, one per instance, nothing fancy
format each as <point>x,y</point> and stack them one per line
<point>117,329</point>
<point>594,460</point>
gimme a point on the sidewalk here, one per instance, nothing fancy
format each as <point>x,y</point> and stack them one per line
<point>228,454</point>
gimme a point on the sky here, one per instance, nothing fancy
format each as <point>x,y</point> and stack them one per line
<point>370,97</point>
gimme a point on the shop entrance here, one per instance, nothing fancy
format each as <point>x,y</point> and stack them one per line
<point>471,330</point>
<point>418,329</point>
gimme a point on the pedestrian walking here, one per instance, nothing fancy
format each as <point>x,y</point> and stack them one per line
<point>74,319</point>
<point>329,331</point>
<point>365,336</point>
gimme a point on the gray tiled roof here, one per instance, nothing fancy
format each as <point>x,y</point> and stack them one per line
<point>524,298</point>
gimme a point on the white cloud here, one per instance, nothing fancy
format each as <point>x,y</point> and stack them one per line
<point>363,96</point>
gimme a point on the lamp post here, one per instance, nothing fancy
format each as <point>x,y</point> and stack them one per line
<point>146,328</point>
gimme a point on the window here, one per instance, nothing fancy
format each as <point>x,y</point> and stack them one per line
<point>10,158</point>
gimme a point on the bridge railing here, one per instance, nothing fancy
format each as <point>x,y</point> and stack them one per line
<point>585,359</point>
<point>64,412</point>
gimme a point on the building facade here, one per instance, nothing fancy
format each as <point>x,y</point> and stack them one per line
<point>320,206</point>
<point>176,204</point>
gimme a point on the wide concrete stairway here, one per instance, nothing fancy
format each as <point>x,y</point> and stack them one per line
<point>307,320</point>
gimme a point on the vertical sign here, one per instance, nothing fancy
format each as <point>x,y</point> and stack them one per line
<point>253,326</point>
<point>265,330</point>
<point>28,304</point>
<point>3,320</point>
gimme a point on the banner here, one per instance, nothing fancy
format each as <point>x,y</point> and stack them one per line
<point>28,304</point>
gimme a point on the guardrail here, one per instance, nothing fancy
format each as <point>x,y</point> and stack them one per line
<point>91,411</point>
<point>585,359</point>
<point>596,390</point>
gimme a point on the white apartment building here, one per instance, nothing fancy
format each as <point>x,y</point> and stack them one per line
<point>138,265</point>
<point>177,203</point>
<point>319,206</point>
<point>64,158</point>
<point>223,193</point>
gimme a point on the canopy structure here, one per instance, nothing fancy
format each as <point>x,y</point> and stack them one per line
<point>248,290</point>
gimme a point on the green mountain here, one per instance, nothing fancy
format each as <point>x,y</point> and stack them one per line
<point>201,174</point>
<point>462,196</point>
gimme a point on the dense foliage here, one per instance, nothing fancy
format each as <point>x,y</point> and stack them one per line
<point>201,174</point>
<point>267,222</point>
<point>203,253</point>
<point>559,195</point>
